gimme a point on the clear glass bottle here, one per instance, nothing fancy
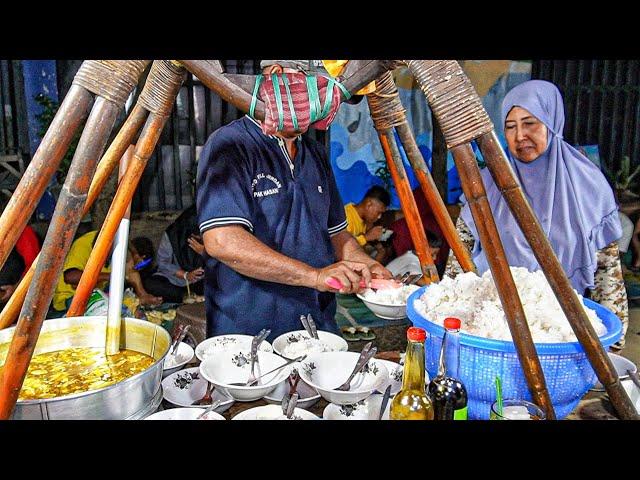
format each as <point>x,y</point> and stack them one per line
<point>412,401</point>
<point>448,393</point>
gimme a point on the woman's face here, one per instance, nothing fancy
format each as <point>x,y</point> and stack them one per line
<point>526,135</point>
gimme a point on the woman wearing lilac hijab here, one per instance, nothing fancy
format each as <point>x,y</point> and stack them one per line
<point>568,193</point>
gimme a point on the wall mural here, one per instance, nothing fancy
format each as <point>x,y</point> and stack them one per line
<point>356,155</point>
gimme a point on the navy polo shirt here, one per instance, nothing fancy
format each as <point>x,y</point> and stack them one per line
<point>247,178</point>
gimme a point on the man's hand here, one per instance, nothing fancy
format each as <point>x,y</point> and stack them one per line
<point>196,244</point>
<point>374,234</point>
<point>195,275</point>
<point>378,271</point>
<point>346,272</point>
<point>5,292</point>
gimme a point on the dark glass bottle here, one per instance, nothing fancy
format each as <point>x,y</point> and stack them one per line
<point>448,393</point>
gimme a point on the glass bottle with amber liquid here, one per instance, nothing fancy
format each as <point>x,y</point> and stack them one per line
<point>448,393</point>
<point>412,401</point>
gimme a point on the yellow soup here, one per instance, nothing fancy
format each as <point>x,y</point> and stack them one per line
<point>75,370</point>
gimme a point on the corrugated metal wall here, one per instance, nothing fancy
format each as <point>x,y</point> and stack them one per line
<point>602,104</point>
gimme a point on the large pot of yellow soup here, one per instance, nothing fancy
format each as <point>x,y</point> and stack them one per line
<point>71,378</point>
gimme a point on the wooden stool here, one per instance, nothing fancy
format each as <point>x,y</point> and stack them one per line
<point>195,315</point>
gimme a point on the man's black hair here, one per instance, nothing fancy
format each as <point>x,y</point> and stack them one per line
<point>433,239</point>
<point>144,246</point>
<point>379,193</point>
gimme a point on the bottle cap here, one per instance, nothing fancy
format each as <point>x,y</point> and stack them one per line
<point>416,334</point>
<point>452,323</point>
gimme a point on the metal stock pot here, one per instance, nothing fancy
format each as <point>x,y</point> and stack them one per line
<point>131,398</point>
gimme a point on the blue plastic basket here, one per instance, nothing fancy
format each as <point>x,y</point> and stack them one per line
<point>567,371</point>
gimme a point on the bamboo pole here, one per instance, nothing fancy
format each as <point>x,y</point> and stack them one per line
<point>43,165</point>
<point>210,74</point>
<point>104,169</point>
<point>480,209</point>
<point>433,197</point>
<point>124,194</point>
<point>505,179</point>
<point>65,221</point>
<point>460,113</point>
<point>158,96</point>
<point>408,204</point>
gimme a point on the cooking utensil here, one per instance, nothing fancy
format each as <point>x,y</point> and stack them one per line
<point>206,400</point>
<point>312,327</point>
<point>385,400</point>
<point>255,343</point>
<point>181,332</point>
<point>252,382</point>
<point>365,356</point>
<point>209,408</point>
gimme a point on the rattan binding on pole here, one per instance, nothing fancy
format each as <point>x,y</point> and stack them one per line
<point>112,80</point>
<point>385,105</point>
<point>162,86</point>
<point>452,99</point>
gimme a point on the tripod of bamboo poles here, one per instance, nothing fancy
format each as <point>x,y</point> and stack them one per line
<point>111,82</point>
<point>388,116</point>
<point>463,119</point>
<point>106,84</point>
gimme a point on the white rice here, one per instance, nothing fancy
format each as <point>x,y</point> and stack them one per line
<point>305,346</point>
<point>390,296</point>
<point>474,300</point>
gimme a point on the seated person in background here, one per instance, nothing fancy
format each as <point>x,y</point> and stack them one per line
<point>28,246</point>
<point>74,265</point>
<point>401,239</point>
<point>10,275</point>
<point>409,261</point>
<point>362,216</point>
<point>179,260</point>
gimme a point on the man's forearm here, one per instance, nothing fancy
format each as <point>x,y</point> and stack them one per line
<point>240,250</point>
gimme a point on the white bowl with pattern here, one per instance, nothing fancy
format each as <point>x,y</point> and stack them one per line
<point>228,343</point>
<point>273,412</point>
<point>224,368</point>
<point>297,343</point>
<point>173,363</point>
<point>367,409</point>
<point>187,386</point>
<point>326,371</point>
<point>184,414</point>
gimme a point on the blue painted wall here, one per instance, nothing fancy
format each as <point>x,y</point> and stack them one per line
<point>39,77</point>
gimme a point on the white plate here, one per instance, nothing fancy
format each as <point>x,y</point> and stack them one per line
<point>334,342</point>
<point>228,343</point>
<point>395,376</point>
<point>173,363</point>
<point>273,412</point>
<point>187,386</point>
<point>367,409</point>
<point>308,395</point>
<point>184,414</point>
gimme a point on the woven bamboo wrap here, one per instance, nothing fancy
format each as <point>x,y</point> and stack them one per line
<point>162,86</point>
<point>112,80</point>
<point>452,99</point>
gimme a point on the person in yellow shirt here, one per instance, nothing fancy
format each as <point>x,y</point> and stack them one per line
<point>75,264</point>
<point>362,216</point>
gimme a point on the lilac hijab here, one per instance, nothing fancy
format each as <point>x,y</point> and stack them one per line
<point>570,196</point>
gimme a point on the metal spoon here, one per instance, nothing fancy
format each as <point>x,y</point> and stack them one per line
<point>206,400</point>
<point>255,343</point>
<point>215,404</point>
<point>385,400</point>
<point>312,327</point>
<point>365,356</point>
<point>251,383</point>
<point>180,334</point>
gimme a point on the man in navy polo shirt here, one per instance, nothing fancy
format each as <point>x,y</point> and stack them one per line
<point>274,230</point>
